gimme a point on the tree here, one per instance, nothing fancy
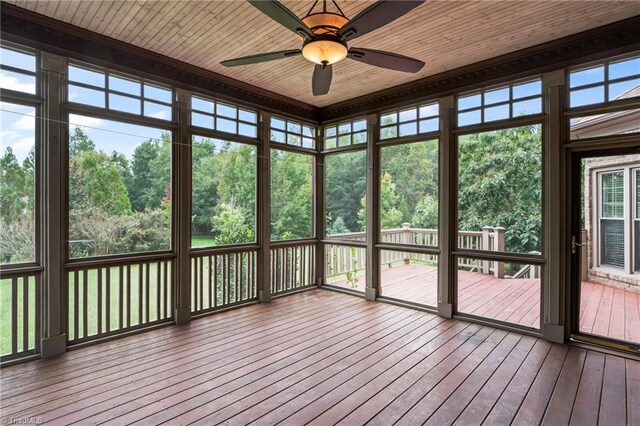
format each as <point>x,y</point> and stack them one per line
<point>346,185</point>
<point>150,182</point>
<point>426,213</point>
<point>290,195</point>
<point>12,188</point>
<point>390,214</point>
<point>500,176</point>
<point>230,225</point>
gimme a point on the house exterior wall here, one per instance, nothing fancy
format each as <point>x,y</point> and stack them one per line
<point>605,275</point>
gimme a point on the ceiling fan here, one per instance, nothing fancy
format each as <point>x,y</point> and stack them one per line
<point>325,36</point>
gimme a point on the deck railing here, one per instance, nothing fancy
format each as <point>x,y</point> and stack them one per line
<point>341,260</point>
<point>222,279</point>
<point>114,296</point>
<point>292,266</point>
<point>20,292</point>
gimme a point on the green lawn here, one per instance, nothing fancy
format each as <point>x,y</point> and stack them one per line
<point>202,241</point>
<point>5,314</point>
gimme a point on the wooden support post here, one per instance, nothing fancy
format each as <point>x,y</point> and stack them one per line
<point>182,208</point>
<point>553,289</point>
<point>52,151</point>
<point>373,212</point>
<point>264,210</point>
<point>498,245</point>
<point>486,246</point>
<point>319,210</point>
<point>406,239</point>
<point>447,235</point>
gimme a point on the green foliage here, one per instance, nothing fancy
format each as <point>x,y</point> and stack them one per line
<point>390,215</point>
<point>500,184</point>
<point>290,195</point>
<point>223,180</point>
<point>426,213</point>
<point>150,180</point>
<point>17,204</point>
<point>346,185</point>
<point>337,227</point>
<point>230,226</point>
<point>12,188</point>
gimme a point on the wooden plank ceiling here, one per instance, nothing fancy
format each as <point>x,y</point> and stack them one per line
<point>444,34</point>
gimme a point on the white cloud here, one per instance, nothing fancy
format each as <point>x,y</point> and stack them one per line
<point>26,122</point>
<point>159,114</point>
<point>84,121</point>
<point>9,82</point>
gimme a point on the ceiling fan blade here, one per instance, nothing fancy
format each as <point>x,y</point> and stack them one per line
<point>276,11</point>
<point>321,82</point>
<point>387,60</point>
<point>262,57</point>
<point>375,16</point>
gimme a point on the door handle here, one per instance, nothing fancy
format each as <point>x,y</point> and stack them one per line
<point>574,244</point>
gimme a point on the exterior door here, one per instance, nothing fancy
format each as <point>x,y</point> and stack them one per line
<point>605,248</point>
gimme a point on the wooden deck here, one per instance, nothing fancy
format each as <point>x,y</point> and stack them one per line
<point>323,358</point>
<point>605,311</point>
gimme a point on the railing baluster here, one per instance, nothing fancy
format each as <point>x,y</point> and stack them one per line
<point>25,313</point>
<point>76,302</point>
<point>14,315</point>
<point>108,300</point>
<point>37,313</point>
<point>120,295</point>
<point>99,307</point>
<point>200,282</point>
<point>147,287</point>
<point>158,289</point>
<point>211,272</point>
<point>85,302</point>
<point>129,302</point>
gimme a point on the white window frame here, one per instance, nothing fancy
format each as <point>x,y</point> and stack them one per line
<point>630,215</point>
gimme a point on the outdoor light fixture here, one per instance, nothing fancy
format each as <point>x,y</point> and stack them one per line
<point>324,52</point>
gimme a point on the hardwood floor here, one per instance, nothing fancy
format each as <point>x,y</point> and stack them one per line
<point>604,310</point>
<point>325,358</point>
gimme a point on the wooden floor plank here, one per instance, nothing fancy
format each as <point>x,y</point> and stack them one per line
<point>326,358</point>
<point>558,411</point>
<point>613,402</point>
<point>587,404</point>
<point>633,391</point>
<point>509,402</point>
<point>478,409</point>
<point>535,403</point>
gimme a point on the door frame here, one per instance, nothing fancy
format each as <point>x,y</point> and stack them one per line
<point>576,154</point>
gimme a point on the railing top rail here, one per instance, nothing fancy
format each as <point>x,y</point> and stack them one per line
<point>292,243</point>
<point>78,264</point>
<point>208,251</point>
<point>20,272</point>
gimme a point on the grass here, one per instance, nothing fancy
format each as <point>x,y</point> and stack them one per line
<point>202,241</point>
<point>5,314</point>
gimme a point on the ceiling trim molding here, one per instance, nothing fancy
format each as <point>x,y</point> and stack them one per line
<point>599,43</point>
<point>39,31</point>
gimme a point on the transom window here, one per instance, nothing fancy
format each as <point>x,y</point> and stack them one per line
<point>18,70</point>
<point>118,92</point>
<point>211,114</point>
<point>292,132</point>
<point>345,133</point>
<point>410,121</point>
<point>608,81</point>
<point>500,103</point>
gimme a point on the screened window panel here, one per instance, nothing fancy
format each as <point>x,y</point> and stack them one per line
<point>613,195</point>
<point>612,242</point>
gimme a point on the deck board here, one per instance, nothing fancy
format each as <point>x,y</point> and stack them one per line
<point>325,358</point>
<point>604,310</point>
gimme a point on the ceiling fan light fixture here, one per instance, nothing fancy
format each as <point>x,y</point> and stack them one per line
<point>324,52</point>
